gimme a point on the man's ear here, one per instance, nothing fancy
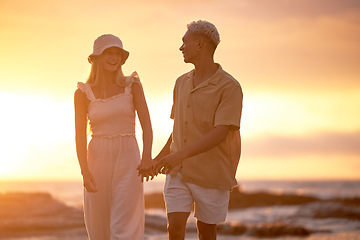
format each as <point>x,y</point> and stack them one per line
<point>201,42</point>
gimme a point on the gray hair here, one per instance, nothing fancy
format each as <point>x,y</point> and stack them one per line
<point>205,28</point>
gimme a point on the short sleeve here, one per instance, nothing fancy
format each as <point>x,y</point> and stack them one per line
<point>87,90</point>
<point>133,78</point>
<point>230,108</point>
<point>172,114</point>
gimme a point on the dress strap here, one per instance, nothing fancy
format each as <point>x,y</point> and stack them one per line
<point>87,90</point>
<point>133,78</point>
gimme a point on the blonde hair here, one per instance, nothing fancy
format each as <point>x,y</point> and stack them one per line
<point>95,77</point>
<point>97,74</point>
<point>205,28</point>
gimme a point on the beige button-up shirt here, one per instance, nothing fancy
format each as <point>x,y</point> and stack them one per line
<point>196,111</point>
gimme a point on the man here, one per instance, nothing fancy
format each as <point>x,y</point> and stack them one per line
<point>201,156</point>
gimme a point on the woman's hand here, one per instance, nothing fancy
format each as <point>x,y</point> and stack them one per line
<point>146,169</point>
<point>89,181</point>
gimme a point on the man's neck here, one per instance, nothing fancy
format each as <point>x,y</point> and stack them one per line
<point>204,70</point>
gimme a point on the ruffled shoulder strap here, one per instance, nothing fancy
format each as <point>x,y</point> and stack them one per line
<point>87,90</point>
<point>133,78</point>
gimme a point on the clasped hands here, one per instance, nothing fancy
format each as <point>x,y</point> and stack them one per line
<point>149,168</point>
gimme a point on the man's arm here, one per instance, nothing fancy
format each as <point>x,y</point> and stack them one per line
<point>205,143</point>
<point>165,150</point>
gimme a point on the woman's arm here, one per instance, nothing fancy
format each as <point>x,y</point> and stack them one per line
<point>144,118</point>
<point>80,105</point>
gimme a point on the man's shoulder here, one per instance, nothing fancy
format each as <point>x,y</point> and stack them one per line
<point>184,79</point>
<point>228,79</point>
<point>185,75</point>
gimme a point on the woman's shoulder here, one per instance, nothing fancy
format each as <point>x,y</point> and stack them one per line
<point>133,81</point>
<point>133,78</point>
<point>84,91</point>
<point>78,92</point>
<point>134,85</point>
<point>80,97</point>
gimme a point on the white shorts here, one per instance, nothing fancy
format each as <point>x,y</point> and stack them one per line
<point>211,205</point>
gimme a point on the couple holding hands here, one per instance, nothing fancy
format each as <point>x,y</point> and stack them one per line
<point>199,159</point>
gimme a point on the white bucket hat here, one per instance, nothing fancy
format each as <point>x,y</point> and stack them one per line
<point>107,41</point>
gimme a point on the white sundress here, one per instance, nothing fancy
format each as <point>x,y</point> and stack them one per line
<point>116,210</point>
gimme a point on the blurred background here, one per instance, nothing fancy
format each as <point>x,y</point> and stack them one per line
<point>298,63</point>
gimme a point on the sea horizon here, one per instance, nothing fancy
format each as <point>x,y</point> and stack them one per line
<point>71,191</point>
<point>324,212</point>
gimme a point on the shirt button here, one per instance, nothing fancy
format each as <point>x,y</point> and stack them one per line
<point>186,123</point>
<point>188,106</point>
<point>185,140</point>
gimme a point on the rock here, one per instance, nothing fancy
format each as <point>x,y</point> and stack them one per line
<point>231,228</point>
<point>240,199</point>
<point>156,222</point>
<point>154,200</point>
<point>278,229</point>
<point>21,212</point>
<point>329,210</point>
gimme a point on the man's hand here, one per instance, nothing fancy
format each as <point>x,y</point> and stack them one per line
<point>166,164</point>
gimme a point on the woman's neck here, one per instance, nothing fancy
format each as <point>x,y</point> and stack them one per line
<point>109,77</point>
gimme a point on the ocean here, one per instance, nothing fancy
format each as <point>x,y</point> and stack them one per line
<point>328,210</point>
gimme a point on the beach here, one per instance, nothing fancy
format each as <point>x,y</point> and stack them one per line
<point>257,210</point>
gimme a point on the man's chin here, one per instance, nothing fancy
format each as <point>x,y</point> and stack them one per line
<point>186,60</point>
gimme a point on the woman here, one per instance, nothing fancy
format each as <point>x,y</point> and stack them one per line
<point>113,194</point>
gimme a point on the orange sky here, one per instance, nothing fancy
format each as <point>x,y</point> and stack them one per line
<point>297,61</point>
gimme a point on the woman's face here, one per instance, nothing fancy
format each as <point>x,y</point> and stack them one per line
<point>111,59</point>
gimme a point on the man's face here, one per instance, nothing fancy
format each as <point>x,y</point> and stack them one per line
<point>189,47</point>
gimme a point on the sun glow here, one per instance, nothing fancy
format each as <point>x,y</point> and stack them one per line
<point>32,124</point>
<point>298,69</point>
<point>38,135</point>
<point>38,131</point>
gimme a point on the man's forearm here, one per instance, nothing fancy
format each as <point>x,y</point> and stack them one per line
<point>166,149</point>
<point>205,143</point>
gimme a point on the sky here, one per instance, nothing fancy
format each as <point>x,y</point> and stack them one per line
<point>298,62</point>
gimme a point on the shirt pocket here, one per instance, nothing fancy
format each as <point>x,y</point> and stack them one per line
<point>204,108</point>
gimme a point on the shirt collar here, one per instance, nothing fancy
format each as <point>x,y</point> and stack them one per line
<point>214,79</point>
